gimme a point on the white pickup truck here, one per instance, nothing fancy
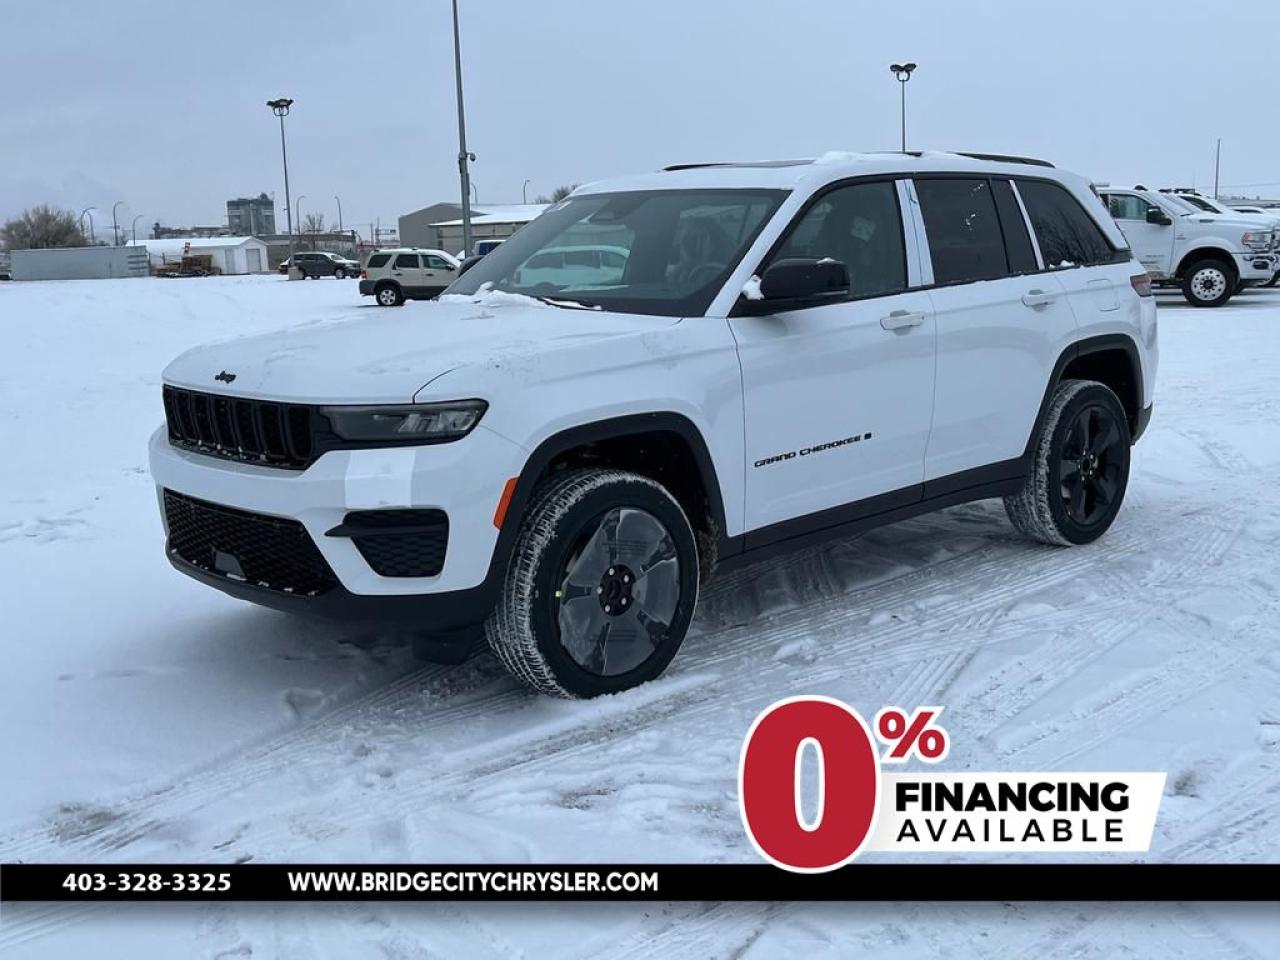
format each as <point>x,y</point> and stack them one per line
<point>1262,216</point>
<point>1211,256</point>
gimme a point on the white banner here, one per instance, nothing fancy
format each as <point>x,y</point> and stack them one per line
<point>1017,812</point>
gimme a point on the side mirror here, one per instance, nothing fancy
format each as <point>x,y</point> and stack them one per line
<point>449,266</point>
<point>467,264</point>
<point>805,280</point>
<point>1158,217</point>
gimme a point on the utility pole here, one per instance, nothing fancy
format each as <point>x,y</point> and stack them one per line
<point>464,174</point>
<point>1217,167</point>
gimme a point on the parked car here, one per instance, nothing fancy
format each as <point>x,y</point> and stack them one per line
<point>586,265</point>
<point>406,273</point>
<point>6,272</point>
<point>315,264</point>
<point>796,351</point>
<point>1207,254</point>
<point>1268,220</point>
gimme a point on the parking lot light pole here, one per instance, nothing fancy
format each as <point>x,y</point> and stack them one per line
<point>115,227</point>
<point>280,108</point>
<point>85,213</point>
<point>903,72</point>
<point>135,229</point>
<point>464,174</point>
<point>524,191</point>
<point>339,199</point>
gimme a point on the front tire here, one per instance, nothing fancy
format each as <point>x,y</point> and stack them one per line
<point>1208,283</point>
<point>1081,467</point>
<point>601,586</point>
<point>389,295</point>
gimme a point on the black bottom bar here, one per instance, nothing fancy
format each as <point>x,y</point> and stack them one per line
<point>651,882</point>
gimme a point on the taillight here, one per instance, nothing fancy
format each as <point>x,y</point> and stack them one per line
<point>364,274</point>
<point>1141,284</point>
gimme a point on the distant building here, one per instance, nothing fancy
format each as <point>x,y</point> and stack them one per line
<point>229,254</point>
<point>159,232</point>
<point>252,216</point>
<point>440,225</point>
<point>78,263</point>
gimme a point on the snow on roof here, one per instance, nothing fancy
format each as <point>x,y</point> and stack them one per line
<point>174,245</point>
<point>507,213</point>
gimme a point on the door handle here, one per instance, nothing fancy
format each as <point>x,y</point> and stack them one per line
<point>1038,298</point>
<point>901,320</point>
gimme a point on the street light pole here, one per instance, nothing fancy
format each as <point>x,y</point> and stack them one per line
<point>464,174</point>
<point>1217,168</point>
<point>339,199</point>
<point>115,229</point>
<point>524,191</point>
<point>280,108</point>
<point>903,72</point>
<point>85,213</point>
<point>135,229</point>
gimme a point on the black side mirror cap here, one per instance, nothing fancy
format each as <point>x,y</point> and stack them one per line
<point>468,263</point>
<point>1158,217</point>
<point>796,283</point>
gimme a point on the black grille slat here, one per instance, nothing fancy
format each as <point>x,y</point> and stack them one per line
<point>255,431</point>
<point>270,552</point>
<point>401,543</point>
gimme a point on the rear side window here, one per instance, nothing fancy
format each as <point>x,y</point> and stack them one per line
<point>1068,236</point>
<point>1017,242</point>
<point>859,225</point>
<point>407,261</point>
<point>378,260</point>
<point>965,240</point>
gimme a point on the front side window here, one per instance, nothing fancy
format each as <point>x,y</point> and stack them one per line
<point>665,252</point>
<point>1128,206</point>
<point>964,234</point>
<point>436,263</point>
<point>1068,236</point>
<point>407,261</point>
<point>860,226</point>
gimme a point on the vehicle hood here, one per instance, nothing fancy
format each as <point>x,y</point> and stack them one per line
<point>377,355</point>
<point>1241,222</point>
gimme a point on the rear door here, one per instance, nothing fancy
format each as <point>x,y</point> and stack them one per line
<point>1001,324</point>
<point>406,270</point>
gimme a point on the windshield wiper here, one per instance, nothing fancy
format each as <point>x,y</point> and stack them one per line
<point>566,304</point>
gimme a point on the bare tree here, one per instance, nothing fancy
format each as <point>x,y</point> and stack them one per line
<point>313,223</point>
<point>558,194</point>
<point>43,226</point>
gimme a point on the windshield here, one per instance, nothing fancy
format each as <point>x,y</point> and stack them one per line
<point>665,252</point>
<point>1178,204</point>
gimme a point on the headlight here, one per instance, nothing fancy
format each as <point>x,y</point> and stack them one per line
<point>1256,240</point>
<point>412,423</point>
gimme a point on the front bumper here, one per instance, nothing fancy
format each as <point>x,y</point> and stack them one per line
<point>464,479</point>
<point>1256,266</point>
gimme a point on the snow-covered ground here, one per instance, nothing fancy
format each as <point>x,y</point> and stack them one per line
<point>145,717</point>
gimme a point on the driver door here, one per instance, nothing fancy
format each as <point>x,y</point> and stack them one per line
<point>1152,243</point>
<point>839,397</point>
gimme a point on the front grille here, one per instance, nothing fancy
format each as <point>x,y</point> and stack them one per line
<point>253,431</point>
<point>269,552</point>
<point>401,543</point>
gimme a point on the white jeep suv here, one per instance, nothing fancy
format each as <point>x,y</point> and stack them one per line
<point>790,351</point>
<point>1209,255</point>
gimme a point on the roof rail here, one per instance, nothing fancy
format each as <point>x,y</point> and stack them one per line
<point>1005,158</point>
<point>671,168</point>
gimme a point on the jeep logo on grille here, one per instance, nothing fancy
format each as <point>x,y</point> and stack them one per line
<point>225,377</point>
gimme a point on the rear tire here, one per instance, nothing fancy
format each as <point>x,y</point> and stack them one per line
<point>340,274</point>
<point>1081,467</point>
<point>388,295</point>
<point>1275,278</point>
<point>601,586</point>
<point>1208,283</point>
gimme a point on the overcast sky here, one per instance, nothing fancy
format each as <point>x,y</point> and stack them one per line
<point>161,104</point>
